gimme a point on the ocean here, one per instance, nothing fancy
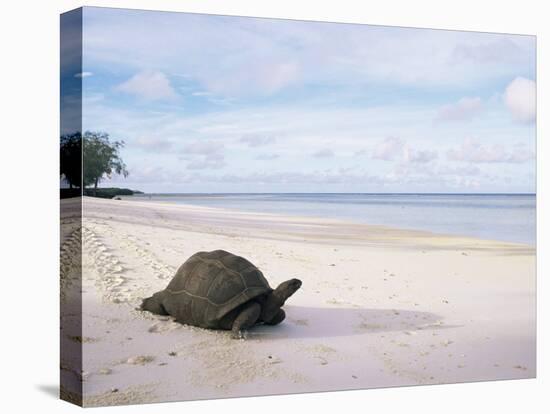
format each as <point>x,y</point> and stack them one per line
<point>504,217</point>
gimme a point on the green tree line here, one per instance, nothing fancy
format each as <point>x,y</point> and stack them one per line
<point>87,159</point>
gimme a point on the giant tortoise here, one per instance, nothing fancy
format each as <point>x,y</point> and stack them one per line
<point>219,290</point>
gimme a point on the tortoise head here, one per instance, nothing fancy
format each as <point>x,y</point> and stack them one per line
<point>277,298</point>
<point>287,289</point>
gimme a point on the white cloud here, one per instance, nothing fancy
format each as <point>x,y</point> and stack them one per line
<point>83,74</point>
<point>201,93</point>
<point>473,151</point>
<point>235,56</point>
<point>418,156</point>
<point>458,170</point>
<point>267,157</point>
<point>204,155</point>
<point>501,50</point>
<point>463,110</point>
<point>206,163</point>
<point>257,140</point>
<point>388,149</point>
<point>149,85</point>
<point>152,143</point>
<point>521,99</point>
<point>203,148</point>
<point>324,153</point>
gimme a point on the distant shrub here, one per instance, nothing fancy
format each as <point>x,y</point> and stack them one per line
<point>110,192</point>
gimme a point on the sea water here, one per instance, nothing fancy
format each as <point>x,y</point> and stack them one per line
<point>504,217</point>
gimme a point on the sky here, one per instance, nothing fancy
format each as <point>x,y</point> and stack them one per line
<point>212,104</point>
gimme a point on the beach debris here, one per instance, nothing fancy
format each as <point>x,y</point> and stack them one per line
<point>354,376</point>
<point>274,359</point>
<point>445,301</point>
<point>520,367</point>
<point>332,264</point>
<point>105,371</point>
<point>173,353</point>
<point>82,339</point>
<point>464,254</point>
<point>323,360</point>
<point>114,389</point>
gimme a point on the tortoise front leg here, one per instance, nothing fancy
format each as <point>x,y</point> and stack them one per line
<point>277,319</point>
<point>246,319</point>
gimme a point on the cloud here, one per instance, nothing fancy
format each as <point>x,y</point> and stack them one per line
<point>267,157</point>
<point>521,99</point>
<point>472,151</point>
<point>500,50</point>
<point>459,170</point>
<point>207,163</point>
<point>83,74</point>
<point>202,93</point>
<point>203,148</point>
<point>210,155</point>
<point>418,156</point>
<point>257,140</point>
<point>149,85</point>
<point>154,144</point>
<point>388,149</point>
<point>463,110</point>
<point>265,56</point>
<point>324,153</point>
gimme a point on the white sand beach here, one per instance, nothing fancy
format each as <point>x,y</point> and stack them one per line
<point>378,307</point>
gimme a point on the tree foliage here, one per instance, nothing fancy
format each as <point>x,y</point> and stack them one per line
<point>70,159</point>
<point>101,158</point>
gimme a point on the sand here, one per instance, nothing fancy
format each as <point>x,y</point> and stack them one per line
<point>379,307</point>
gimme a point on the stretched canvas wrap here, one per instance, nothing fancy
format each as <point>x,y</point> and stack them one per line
<point>257,206</point>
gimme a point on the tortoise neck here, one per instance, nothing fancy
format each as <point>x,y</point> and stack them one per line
<point>272,304</point>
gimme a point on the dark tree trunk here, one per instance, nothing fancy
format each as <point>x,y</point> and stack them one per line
<point>95,187</point>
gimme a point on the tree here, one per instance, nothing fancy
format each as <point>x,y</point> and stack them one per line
<point>101,158</point>
<point>70,159</point>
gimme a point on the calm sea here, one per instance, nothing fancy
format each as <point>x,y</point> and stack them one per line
<point>505,217</point>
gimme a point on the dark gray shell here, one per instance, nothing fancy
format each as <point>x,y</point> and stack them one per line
<point>211,284</point>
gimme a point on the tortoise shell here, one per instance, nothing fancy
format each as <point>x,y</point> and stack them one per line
<point>209,285</point>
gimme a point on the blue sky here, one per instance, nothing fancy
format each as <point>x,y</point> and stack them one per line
<point>229,104</point>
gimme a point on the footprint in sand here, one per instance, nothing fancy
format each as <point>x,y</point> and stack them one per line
<point>140,360</point>
<point>299,322</point>
<point>322,353</point>
<point>165,326</point>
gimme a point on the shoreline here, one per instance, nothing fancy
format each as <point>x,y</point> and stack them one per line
<point>323,221</point>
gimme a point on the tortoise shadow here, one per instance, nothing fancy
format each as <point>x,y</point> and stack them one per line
<point>318,322</point>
